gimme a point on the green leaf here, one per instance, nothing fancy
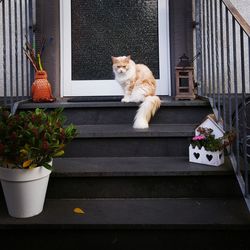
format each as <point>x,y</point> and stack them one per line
<point>58,154</point>
<point>47,165</point>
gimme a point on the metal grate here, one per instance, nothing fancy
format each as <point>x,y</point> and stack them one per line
<point>15,72</point>
<point>223,74</point>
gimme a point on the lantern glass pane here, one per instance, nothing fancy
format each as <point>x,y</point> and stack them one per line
<point>184,82</point>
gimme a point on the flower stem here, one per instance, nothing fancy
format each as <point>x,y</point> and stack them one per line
<point>39,62</point>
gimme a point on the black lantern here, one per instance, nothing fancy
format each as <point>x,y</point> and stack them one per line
<point>184,79</point>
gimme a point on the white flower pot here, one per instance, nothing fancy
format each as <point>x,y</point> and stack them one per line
<point>24,190</point>
<point>203,156</point>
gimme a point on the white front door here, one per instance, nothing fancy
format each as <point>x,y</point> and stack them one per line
<point>92,31</point>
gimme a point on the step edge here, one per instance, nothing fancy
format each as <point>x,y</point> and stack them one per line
<point>70,220</point>
<point>69,105</point>
<point>100,169</point>
<point>127,130</point>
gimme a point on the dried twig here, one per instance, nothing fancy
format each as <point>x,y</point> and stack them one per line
<point>31,59</point>
<point>35,58</point>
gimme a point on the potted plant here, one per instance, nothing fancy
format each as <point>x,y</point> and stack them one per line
<point>205,148</point>
<point>29,141</point>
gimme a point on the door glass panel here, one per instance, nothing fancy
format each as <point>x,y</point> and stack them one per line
<point>105,28</point>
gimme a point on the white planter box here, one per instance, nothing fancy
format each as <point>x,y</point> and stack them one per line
<point>203,156</point>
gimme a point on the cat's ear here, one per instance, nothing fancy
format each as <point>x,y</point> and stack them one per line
<point>114,59</point>
<point>128,57</point>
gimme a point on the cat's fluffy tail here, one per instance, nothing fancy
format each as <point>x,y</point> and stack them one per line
<point>146,111</point>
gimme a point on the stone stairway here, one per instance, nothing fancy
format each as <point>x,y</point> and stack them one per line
<point>136,187</point>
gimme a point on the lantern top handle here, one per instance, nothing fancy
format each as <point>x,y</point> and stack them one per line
<point>185,62</point>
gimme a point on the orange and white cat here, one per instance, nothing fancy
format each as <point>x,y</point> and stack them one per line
<point>139,85</point>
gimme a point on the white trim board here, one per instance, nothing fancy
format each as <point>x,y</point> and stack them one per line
<point>110,87</point>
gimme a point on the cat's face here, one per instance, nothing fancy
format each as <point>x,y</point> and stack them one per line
<point>121,64</point>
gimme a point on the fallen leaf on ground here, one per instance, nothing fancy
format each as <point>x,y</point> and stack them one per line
<point>78,210</point>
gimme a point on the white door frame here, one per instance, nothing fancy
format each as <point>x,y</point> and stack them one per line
<point>110,87</point>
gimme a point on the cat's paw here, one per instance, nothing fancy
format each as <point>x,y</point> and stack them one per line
<point>125,99</point>
<point>136,100</point>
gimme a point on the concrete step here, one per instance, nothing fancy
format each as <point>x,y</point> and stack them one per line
<point>103,112</point>
<point>131,224</point>
<point>139,177</point>
<point>121,140</point>
<point>127,131</point>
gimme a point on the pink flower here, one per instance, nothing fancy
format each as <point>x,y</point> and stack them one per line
<point>199,138</point>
